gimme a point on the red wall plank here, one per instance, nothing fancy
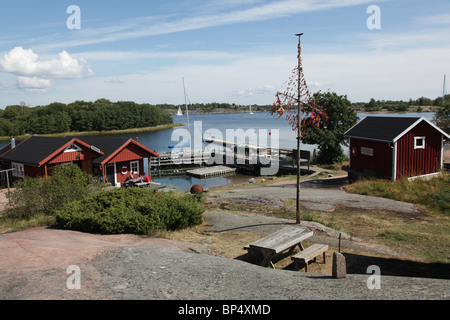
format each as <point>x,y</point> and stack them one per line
<point>380,162</point>
<point>413,162</point>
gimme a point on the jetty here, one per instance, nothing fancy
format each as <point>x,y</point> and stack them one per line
<point>211,171</point>
<point>229,158</point>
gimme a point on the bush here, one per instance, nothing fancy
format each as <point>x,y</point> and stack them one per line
<point>130,210</point>
<point>441,200</point>
<point>36,196</point>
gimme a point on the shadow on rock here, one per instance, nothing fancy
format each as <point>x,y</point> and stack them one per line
<point>358,264</point>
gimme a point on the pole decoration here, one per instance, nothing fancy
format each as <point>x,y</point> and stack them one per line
<point>294,94</point>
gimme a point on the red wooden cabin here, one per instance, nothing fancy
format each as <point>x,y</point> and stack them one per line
<point>113,160</point>
<point>396,147</point>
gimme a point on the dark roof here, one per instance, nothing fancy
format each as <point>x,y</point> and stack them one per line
<point>381,128</point>
<point>34,149</point>
<point>107,144</point>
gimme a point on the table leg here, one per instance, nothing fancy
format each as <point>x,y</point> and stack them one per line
<point>268,255</point>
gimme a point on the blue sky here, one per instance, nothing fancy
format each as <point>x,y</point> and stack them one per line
<point>235,51</point>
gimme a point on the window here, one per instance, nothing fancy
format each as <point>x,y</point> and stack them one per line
<point>367,151</point>
<point>134,166</point>
<point>419,142</point>
<point>18,171</point>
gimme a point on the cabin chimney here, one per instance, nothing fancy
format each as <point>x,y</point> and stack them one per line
<point>13,143</point>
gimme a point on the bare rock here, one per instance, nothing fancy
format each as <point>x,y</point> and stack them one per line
<point>339,269</point>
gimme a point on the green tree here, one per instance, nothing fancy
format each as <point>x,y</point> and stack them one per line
<point>442,117</point>
<point>330,135</point>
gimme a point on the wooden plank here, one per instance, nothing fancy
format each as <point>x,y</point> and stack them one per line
<point>310,252</point>
<point>282,239</point>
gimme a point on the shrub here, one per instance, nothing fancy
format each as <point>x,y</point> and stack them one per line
<point>36,196</point>
<point>130,210</point>
<point>441,200</point>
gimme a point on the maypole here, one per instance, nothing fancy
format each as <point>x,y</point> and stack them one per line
<point>295,102</point>
<point>299,133</point>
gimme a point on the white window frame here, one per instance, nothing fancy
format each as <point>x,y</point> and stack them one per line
<point>416,146</point>
<point>136,164</point>
<point>19,171</point>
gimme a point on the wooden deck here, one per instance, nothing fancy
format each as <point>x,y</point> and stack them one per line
<point>211,171</point>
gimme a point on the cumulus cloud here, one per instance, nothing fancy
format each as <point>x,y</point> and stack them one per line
<point>34,75</point>
<point>35,85</point>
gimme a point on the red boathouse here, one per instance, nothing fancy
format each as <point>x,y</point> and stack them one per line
<point>113,159</point>
<point>396,147</point>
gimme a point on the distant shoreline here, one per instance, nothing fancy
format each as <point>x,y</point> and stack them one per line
<point>98,133</point>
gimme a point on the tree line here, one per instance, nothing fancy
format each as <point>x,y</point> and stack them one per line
<point>212,107</point>
<point>400,106</point>
<point>80,116</point>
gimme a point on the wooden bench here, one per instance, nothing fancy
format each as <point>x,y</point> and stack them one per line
<point>309,254</point>
<point>285,239</point>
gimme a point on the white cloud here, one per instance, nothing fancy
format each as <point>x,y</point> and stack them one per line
<point>33,84</point>
<point>263,90</point>
<point>34,75</point>
<point>167,24</point>
<point>442,18</point>
<point>253,79</point>
<point>26,63</point>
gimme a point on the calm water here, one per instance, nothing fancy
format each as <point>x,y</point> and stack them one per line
<point>209,125</point>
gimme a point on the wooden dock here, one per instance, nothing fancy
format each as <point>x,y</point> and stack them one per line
<point>211,171</point>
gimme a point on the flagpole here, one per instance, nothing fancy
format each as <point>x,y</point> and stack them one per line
<point>299,137</point>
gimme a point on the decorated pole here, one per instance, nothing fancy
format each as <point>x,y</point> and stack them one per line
<point>294,102</point>
<point>299,132</point>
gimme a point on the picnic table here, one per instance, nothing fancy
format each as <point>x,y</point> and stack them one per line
<point>137,182</point>
<point>276,243</point>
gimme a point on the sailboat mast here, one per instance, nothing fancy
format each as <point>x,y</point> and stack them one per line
<point>185,103</point>
<point>444,90</point>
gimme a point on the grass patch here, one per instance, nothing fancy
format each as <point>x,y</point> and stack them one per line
<point>433,193</point>
<point>13,223</point>
<point>424,237</point>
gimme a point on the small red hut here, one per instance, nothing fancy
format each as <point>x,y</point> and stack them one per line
<point>396,147</point>
<point>113,159</point>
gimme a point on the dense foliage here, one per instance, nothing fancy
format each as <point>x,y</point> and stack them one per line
<point>442,118</point>
<point>79,116</point>
<point>399,106</point>
<point>330,134</point>
<point>130,210</point>
<point>36,196</point>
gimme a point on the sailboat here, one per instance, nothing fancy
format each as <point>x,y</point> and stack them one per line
<point>179,113</point>
<point>251,112</point>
